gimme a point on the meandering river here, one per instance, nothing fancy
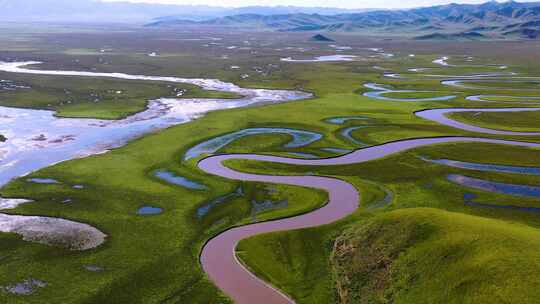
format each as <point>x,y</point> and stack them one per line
<point>38,139</point>
<point>230,275</point>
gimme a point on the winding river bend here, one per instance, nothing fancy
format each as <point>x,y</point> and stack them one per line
<point>506,99</point>
<point>440,116</point>
<point>37,139</point>
<point>230,275</point>
<point>70,138</point>
<point>379,91</point>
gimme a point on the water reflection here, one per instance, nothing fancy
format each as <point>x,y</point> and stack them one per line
<point>300,138</point>
<point>495,187</point>
<point>179,180</point>
<point>484,167</point>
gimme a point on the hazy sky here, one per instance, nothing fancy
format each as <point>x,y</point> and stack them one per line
<point>327,3</point>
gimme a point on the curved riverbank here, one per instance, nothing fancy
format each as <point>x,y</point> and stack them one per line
<point>441,116</point>
<point>501,99</point>
<point>380,91</point>
<point>230,275</point>
<point>38,139</point>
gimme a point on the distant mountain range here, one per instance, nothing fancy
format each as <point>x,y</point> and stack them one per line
<point>454,21</point>
<point>510,20</point>
<point>99,11</point>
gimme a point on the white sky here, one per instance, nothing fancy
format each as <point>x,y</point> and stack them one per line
<point>324,3</point>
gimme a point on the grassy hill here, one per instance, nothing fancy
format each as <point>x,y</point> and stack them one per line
<point>416,255</point>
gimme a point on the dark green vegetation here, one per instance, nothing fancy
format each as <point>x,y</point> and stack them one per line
<point>517,121</point>
<point>376,258</point>
<point>419,95</point>
<point>522,85</point>
<point>155,258</point>
<point>419,255</point>
<point>93,97</point>
<point>158,253</point>
<point>431,256</point>
<point>511,99</point>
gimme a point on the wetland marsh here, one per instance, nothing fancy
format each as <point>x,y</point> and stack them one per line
<point>160,187</point>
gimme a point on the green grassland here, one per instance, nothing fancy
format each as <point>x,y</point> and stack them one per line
<point>522,85</point>
<point>425,246</point>
<point>512,99</point>
<point>417,184</point>
<point>517,121</point>
<point>93,97</point>
<point>413,255</point>
<point>427,256</point>
<point>411,95</point>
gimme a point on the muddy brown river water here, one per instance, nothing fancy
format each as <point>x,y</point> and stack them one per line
<point>218,257</point>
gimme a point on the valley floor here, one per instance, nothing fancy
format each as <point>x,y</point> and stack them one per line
<point>453,222</point>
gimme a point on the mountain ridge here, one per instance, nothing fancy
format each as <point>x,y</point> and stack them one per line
<point>469,21</point>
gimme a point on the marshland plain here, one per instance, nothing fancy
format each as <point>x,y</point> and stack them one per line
<point>421,234</point>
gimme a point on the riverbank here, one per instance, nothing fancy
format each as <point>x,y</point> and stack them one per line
<point>161,252</point>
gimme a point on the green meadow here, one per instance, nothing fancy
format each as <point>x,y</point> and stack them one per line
<point>413,239</point>
<point>518,121</point>
<point>513,99</point>
<point>93,97</point>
